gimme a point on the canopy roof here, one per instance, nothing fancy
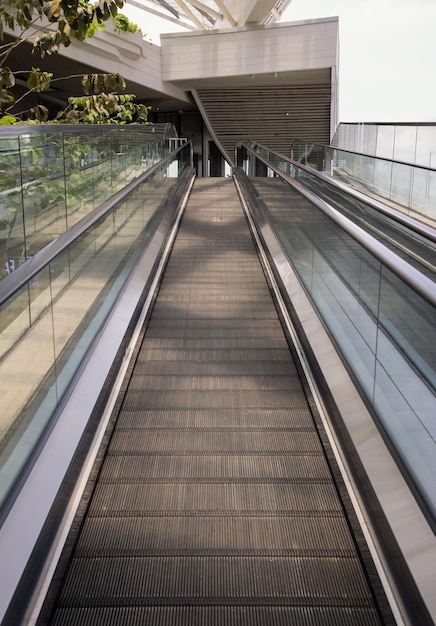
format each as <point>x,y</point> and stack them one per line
<point>209,14</point>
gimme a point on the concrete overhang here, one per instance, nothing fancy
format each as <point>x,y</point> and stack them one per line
<point>129,54</point>
<point>255,51</point>
<point>271,83</point>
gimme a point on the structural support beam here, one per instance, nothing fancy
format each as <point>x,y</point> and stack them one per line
<point>205,9</point>
<point>229,17</point>
<point>189,14</point>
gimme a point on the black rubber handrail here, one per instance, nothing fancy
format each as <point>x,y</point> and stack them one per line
<point>424,230</point>
<point>368,156</point>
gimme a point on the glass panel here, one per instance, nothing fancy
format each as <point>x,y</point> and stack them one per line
<point>426,147</point>
<point>47,328</point>
<point>409,189</point>
<point>382,177</point>
<point>405,144</point>
<point>40,295</point>
<point>66,173</point>
<point>14,319</point>
<point>43,190</point>
<point>401,183</point>
<point>384,329</point>
<point>25,373</point>
<point>410,143</point>
<point>410,322</point>
<point>406,407</point>
<point>423,195</point>
<point>385,142</point>
<point>12,250</point>
<point>350,323</point>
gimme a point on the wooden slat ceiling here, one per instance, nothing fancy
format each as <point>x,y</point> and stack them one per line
<point>271,116</point>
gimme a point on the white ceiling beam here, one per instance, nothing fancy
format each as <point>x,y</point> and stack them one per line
<point>189,14</point>
<point>226,13</point>
<point>206,9</point>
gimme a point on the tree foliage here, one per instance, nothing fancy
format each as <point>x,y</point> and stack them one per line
<point>123,24</point>
<point>48,25</point>
<point>104,108</point>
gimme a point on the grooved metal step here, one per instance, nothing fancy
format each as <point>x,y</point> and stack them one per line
<point>215,504</point>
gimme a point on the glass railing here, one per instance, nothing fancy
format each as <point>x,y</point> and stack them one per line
<point>53,307</point>
<point>409,238</point>
<point>379,310</point>
<point>408,188</point>
<point>413,143</point>
<point>51,176</point>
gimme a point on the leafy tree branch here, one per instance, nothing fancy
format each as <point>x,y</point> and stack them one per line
<point>68,20</point>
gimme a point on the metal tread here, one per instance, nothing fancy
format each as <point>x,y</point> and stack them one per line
<point>232,614</point>
<point>215,502</point>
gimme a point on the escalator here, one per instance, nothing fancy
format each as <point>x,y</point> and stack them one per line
<point>216,498</point>
<point>416,247</point>
<point>406,187</point>
<point>410,238</point>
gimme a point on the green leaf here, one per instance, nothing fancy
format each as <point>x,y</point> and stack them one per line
<point>32,80</point>
<point>7,77</point>
<point>7,120</point>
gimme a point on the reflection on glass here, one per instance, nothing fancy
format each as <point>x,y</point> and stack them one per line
<point>405,137</point>
<point>410,143</point>
<point>51,179</point>
<point>384,329</point>
<point>425,152</point>
<point>411,322</point>
<point>48,326</point>
<point>11,210</point>
<point>15,319</point>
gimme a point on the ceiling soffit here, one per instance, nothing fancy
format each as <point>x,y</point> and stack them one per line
<point>272,116</point>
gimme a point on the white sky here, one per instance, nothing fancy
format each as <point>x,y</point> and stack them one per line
<point>387,58</point>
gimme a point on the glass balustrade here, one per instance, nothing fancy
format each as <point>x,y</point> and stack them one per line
<point>410,240</point>
<point>51,176</point>
<point>408,188</point>
<point>407,142</point>
<point>49,320</point>
<point>383,326</point>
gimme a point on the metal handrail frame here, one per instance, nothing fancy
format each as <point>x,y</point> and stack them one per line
<point>403,270</point>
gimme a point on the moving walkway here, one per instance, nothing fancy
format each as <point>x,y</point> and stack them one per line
<point>399,227</point>
<point>221,475</point>
<point>406,188</point>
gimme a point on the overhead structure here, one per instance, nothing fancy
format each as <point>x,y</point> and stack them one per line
<point>232,71</point>
<point>211,14</point>
<point>273,82</point>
